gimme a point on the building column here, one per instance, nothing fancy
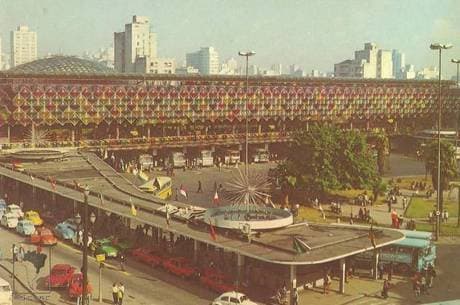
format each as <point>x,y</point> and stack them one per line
<point>73,136</point>
<point>375,265</point>
<point>342,270</point>
<point>148,132</point>
<point>178,131</point>
<point>9,134</point>
<point>259,128</point>
<point>239,263</point>
<point>195,250</point>
<point>118,132</point>
<point>33,135</point>
<point>292,283</point>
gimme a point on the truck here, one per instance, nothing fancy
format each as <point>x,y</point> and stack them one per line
<point>206,159</point>
<point>177,159</point>
<point>146,162</point>
<point>260,155</point>
<point>231,156</point>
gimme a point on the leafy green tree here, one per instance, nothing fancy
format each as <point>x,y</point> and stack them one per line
<point>448,166</point>
<point>326,158</point>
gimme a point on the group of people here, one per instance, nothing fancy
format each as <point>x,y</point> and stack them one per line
<point>118,293</point>
<point>364,214</point>
<point>363,200</point>
<point>444,216</point>
<point>396,220</point>
<point>422,281</point>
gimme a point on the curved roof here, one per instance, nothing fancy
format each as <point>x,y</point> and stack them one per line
<point>62,65</point>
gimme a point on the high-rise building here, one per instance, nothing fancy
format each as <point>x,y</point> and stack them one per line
<point>23,46</point>
<point>371,62</point>
<point>277,68</point>
<point>1,54</point>
<point>399,63</point>
<point>408,72</point>
<point>137,41</point>
<point>428,73</point>
<point>206,60</point>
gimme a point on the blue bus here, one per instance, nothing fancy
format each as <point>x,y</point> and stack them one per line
<point>413,253</point>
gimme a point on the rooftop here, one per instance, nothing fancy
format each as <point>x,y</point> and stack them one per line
<point>61,65</point>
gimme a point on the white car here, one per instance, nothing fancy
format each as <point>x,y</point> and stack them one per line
<point>9,220</point>
<point>233,298</point>
<point>15,209</point>
<point>77,239</point>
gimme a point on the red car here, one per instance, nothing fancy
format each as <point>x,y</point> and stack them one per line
<point>43,236</point>
<point>216,281</point>
<point>148,256</point>
<point>76,286</point>
<point>61,274</point>
<point>180,266</point>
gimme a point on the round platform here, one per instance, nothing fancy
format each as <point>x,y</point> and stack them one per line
<point>254,217</point>
<point>36,155</point>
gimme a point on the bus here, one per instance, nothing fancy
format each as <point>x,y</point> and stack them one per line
<point>160,187</point>
<point>206,159</point>
<point>411,254</point>
<point>146,162</point>
<point>426,136</point>
<point>177,159</point>
<point>260,155</point>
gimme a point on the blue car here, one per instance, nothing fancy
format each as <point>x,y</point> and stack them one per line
<point>2,207</point>
<point>25,227</point>
<point>64,231</point>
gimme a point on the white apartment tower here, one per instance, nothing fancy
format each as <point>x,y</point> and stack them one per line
<point>206,60</point>
<point>137,41</point>
<point>23,46</point>
<point>399,64</point>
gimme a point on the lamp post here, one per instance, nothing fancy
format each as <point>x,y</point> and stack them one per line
<point>246,54</point>
<point>440,47</point>
<point>456,61</point>
<point>84,268</point>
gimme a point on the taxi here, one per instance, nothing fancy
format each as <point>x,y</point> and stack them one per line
<point>34,217</point>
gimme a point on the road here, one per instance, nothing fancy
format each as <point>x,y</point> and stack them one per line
<point>144,285</point>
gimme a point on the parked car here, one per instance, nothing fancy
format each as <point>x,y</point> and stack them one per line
<point>180,266</point>
<point>104,246</point>
<point>15,209</point>
<point>216,280</point>
<point>148,256</point>
<point>233,298</point>
<point>9,220</point>
<point>43,236</point>
<point>25,227</point>
<point>76,286</point>
<point>34,217</point>
<point>77,239</point>
<point>60,276</point>
<point>63,231</point>
<point>2,207</point>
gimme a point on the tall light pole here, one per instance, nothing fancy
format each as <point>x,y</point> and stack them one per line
<point>440,47</point>
<point>456,61</point>
<point>247,54</point>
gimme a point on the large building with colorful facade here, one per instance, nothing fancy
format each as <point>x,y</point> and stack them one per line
<point>74,102</point>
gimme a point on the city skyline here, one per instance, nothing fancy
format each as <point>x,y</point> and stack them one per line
<point>271,29</point>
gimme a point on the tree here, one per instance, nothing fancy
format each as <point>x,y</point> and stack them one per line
<point>448,166</point>
<point>326,158</point>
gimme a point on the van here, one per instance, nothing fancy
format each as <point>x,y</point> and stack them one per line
<point>6,295</point>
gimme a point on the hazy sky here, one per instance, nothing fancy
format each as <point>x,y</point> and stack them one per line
<point>314,34</point>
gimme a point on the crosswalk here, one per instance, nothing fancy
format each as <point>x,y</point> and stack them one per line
<point>375,300</point>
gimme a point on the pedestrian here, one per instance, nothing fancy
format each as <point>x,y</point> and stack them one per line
<point>21,253</point>
<point>445,216</point>
<point>327,283</point>
<point>385,288</point>
<point>404,202</point>
<point>431,274</point>
<point>115,293</point>
<point>323,216</point>
<point>200,189</point>
<point>121,293</point>
<point>122,261</point>
<point>381,270</point>
<point>295,297</point>
<point>361,214</point>
<point>390,271</point>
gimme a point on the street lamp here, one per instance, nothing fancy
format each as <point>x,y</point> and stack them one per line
<point>456,61</point>
<point>84,300</point>
<point>440,47</point>
<point>247,54</point>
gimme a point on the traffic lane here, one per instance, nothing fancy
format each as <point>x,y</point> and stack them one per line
<point>143,285</point>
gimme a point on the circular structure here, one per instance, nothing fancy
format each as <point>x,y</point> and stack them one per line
<point>252,217</point>
<point>61,65</point>
<point>36,155</point>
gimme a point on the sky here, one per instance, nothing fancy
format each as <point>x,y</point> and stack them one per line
<point>313,34</point>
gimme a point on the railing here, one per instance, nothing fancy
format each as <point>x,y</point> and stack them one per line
<point>160,141</point>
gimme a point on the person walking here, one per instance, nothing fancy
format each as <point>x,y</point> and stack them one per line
<point>121,293</point>
<point>327,283</point>
<point>122,261</point>
<point>115,293</point>
<point>295,297</point>
<point>385,289</point>
<point>200,189</point>
<point>381,270</point>
<point>431,274</point>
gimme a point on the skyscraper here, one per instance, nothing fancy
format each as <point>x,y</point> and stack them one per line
<point>137,41</point>
<point>206,60</point>
<point>1,54</point>
<point>23,46</point>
